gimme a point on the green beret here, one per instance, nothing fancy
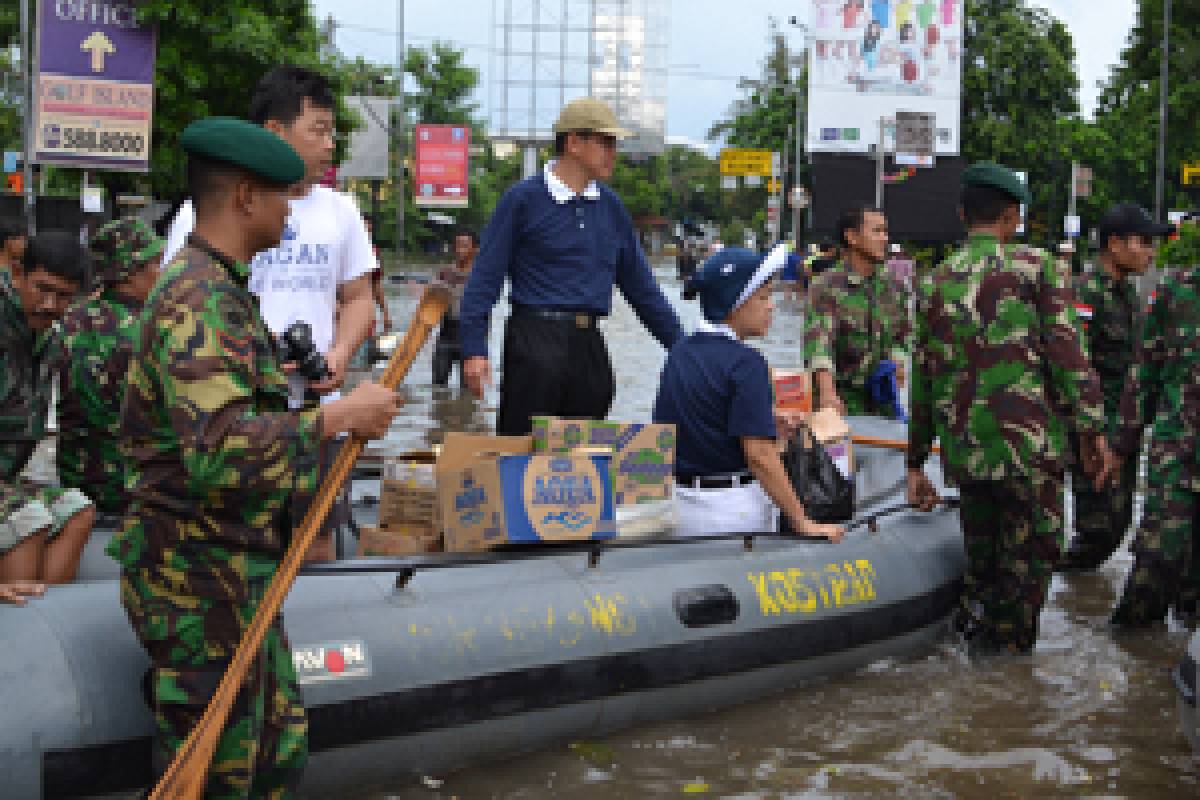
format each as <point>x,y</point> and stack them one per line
<point>121,248</point>
<point>995,176</point>
<point>246,145</point>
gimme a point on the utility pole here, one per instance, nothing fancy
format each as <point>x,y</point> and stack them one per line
<point>27,115</point>
<point>401,130</point>
<point>1160,184</point>
<point>880,162</point>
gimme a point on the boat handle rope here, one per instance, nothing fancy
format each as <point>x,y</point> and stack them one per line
<point>406,568</point>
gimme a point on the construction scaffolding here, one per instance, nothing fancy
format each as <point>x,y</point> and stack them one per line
<point>549,52</point>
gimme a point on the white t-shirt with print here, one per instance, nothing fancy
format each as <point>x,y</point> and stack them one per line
<point>325,244</point>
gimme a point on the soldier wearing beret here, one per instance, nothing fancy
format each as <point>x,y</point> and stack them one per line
<point>98,334</point>
<point>564,241</point>
<point>1108,308</point>
<point>215,458</point>
<point>1001,378</point>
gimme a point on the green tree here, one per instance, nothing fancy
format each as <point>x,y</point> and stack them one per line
<point>1128,111</point>
<point>210,55</point>
<point>763,119</point>
<point>1020,103</point>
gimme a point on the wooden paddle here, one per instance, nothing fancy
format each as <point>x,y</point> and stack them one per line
<point>186,776</point>
<point>887,444</point>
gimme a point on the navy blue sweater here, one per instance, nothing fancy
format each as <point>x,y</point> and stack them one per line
<point>564,256</point>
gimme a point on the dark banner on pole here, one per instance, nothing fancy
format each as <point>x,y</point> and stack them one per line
<point>94,86</point>
<point>921,202</point>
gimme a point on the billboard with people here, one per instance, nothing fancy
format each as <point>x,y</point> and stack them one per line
<point>869,59</point>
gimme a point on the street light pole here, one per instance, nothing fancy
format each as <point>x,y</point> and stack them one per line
<point>1160,184</point>
<point>27,115</point>
<point>401,130</point>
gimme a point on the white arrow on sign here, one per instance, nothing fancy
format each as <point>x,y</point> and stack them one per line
<point>100,46</point>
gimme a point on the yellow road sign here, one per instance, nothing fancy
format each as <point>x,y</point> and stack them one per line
<point>1191,173</point>
<point>773,186</point>
<point>740,161</point>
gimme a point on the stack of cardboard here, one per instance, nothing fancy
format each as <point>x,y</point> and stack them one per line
<point>409,519</point>
<point>643,455</point>
<point>495,490</point>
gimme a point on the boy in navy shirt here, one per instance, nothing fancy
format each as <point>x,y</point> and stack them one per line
<point>717,391</point>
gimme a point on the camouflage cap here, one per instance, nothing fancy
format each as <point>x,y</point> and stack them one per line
<point>246,145</point>
<point>995,176</point>
<point>121,248</point>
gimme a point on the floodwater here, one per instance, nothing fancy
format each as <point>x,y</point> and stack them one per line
<point>1090,714</point>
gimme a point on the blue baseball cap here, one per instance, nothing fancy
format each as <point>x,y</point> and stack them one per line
<point>730,276</point>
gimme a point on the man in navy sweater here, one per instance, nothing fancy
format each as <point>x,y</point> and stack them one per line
<point>563,240</point>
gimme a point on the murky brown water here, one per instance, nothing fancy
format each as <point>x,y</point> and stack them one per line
<point>1090,714</point>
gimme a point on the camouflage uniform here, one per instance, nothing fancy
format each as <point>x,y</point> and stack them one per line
<point>27,363</point>
<point>98,335</point>
<point>853,324</point>
<point>998,375</point>
<point>215,457</point>
<point>1109,314</point>
<point>1163,391</point>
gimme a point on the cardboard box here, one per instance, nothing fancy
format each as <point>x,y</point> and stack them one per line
<point>400,503</point>
<point>408,492</point>
<point>831,430</point>
<point>793,390</point>
<point>398,540</point>
<point>643,463</point>
<point>494,490</point>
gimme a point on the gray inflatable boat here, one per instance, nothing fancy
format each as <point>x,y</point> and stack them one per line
<point>1185,684</point>
<point>418,666</point>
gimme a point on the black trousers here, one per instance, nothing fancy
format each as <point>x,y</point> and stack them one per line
<point>447,353</point>
<point>552,367</point>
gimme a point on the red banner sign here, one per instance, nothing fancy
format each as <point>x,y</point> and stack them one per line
<point>442,158</point>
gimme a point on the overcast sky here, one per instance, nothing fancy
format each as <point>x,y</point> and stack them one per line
<point>723,39</point>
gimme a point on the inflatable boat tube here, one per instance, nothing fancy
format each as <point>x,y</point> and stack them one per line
<point>419,666</point>
<point>1185,685</point>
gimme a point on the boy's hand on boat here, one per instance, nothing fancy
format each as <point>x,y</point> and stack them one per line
<point>807,527</point>
<point>367,412</point>
<point>921,491</point>
<point>16,592</point>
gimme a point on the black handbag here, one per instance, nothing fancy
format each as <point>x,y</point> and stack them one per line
<point>826,494</point>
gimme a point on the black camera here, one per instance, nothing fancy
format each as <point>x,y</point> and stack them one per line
<point>296,346</point>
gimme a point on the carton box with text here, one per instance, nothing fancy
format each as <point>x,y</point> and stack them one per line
<point>399,539</point>
<point>643,460</point>
<point>493,491</point>
<point>407,493</point>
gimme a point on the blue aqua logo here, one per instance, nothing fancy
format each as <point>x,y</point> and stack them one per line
<point>563,490</point>
<point>571,520</point>
<point>289,233</point>
<point>471,497</point>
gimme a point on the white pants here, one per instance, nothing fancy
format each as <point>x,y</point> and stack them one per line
<point>740,509</point>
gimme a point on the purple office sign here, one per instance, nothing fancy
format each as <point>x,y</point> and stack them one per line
<point>95,85</point>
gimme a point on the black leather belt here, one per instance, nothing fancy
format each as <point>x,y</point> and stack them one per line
<point>581,319</point>
<point>715,481</point>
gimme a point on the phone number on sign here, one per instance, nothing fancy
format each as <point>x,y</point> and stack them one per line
<point>102,141</point>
